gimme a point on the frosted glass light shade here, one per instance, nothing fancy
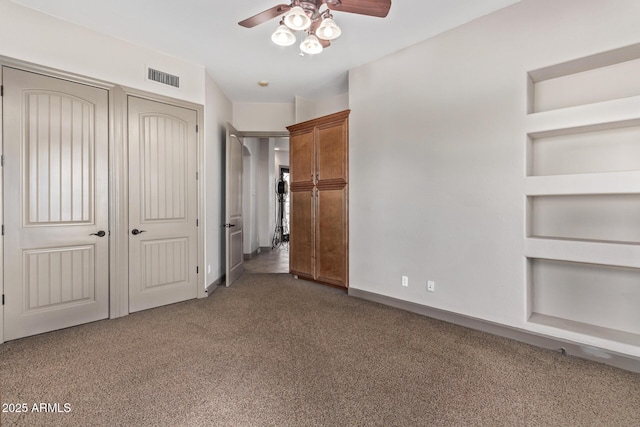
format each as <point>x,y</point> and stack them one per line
<point>297,19</point>
<point>328,30</point>
<point>283,36</point>
<point>311,45</point>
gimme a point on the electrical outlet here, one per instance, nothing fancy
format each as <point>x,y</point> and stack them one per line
<point>405,280</point>
<point>431,286</point>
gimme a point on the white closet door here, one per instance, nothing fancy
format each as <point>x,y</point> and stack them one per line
<point>163,238</point>
<point>56,203</point>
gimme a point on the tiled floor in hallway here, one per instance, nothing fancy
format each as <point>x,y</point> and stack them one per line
<point>269,261</point>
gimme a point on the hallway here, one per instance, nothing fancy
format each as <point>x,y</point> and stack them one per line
<point>269,261</point>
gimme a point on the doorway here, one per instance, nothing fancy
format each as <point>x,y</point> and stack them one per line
<point>266,225</point>
<point>281,233</point>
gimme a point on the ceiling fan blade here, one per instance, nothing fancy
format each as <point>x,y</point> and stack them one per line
<point>379,8</point>
<point>265,16</point>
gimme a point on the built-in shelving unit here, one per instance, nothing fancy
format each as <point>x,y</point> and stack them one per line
<point>583,196</point>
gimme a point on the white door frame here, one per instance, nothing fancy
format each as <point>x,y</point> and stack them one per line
<point>118,183</point>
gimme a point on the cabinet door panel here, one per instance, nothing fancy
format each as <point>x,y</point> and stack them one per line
<point>331,151</point>
<point>301,234</point>
<point>332,235</point>
<point>301,158</point>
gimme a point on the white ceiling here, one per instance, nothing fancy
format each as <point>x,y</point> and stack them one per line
<point>207,32</point>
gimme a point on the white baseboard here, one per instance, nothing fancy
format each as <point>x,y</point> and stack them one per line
<point>214,285</point>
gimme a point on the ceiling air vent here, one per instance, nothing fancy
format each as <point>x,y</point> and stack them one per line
<point>162,77</point>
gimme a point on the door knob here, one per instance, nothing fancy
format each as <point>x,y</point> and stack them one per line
<point>100,233</point>
<point>229,225</point>
<point>135,231</point>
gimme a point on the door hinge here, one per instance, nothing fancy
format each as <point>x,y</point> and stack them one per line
<point>196,128</point>
<point>1,90</point>
<point>197,270</point>
<point>2,160</point>
<point>197,222</point>
<point>2,299</point>
<point>197,176</point>
<point>3,229</point>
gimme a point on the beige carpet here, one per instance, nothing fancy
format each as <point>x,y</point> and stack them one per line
<point>276,351</point>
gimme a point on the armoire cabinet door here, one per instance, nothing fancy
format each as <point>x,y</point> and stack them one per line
<point>332,234</point>
<point>302,158</point>
<point>301,233</point>
<point>331,149</point>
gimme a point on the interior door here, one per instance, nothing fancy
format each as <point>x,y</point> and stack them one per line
<point>163,238</point>
<point>233,207</point>
<point>56,244</point>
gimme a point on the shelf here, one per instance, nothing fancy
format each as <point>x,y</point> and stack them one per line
<point>582,190</point>
<point>592,183</point>
<point>602,77</point>
<point>609,147</point>
<point>595,116</point>
<point>591,217</point>
<point>597,300</point>
<point>586,329</point>
<point>587,63</point>
<point>585,251</point>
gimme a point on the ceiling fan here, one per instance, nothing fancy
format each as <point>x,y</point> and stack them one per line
<point>318,23</point>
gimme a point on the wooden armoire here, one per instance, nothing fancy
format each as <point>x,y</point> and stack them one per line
<point>319,199</point>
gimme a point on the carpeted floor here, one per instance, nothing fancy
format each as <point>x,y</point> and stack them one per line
<point>276,351</point>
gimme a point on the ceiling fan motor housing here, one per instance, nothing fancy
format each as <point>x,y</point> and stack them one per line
<point>312,8</point>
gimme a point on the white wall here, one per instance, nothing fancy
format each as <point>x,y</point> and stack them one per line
<point>263,117</point>
<point>249,196</point>
<point>332,104</point>
<point>437,155</point>
<point>281,158</point>
<point>265,190</point>
<point>308,109</point>
<point>305,109</point>
<point>32,36</point>
<point>217,112</point>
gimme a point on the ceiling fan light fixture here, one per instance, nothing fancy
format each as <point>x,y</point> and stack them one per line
<point>283,36</point>
<point>311,45</point>
<point>328,30</point>
<point>297,19</point>
<point>315,18</point>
